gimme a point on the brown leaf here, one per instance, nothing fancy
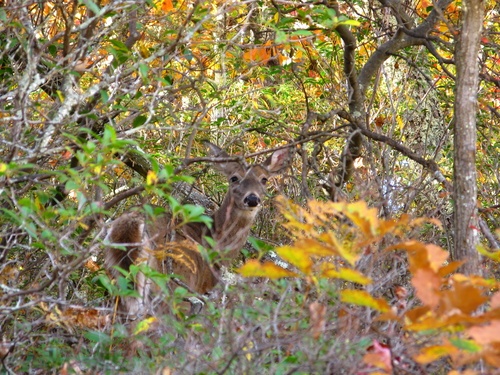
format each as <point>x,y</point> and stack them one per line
<point>318,312</point>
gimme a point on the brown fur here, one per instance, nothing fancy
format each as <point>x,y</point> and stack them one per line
<point>167,248</point>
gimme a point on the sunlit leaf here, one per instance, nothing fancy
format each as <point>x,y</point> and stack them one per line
<point>346,274</point>
<point>311,246</point>
<point>151,178</point>
<point>254,268</point>
<point>339,249</point>
<point>487,334</point>
<point>362,216</point>
<point>297,257</point>
<point>433,353</point>
<point>467,345</point>
<point>363,298</point>
<point>427,286</point>
<point>494,255</point>
<point>167,5</point>
<point>144,325</point>
<point>423,255</point>
<point>464,297</point>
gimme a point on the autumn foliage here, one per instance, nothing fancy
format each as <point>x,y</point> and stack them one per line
<point>459,315</point>
<point>104,107</point>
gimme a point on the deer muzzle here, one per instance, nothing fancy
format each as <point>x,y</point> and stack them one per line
<point>252,200</point>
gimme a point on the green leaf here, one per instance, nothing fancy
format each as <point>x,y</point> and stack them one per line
<point>302,33</point>
<point>98,337</point>
<point>144,325</point>
<point>91,5</point>
<point>470,346</point>
<point>143,70</point>
<point>139,120</point>
<point>259,245</point>
<point>281,37</point>
<point>354,23</point>
<point>104,96</point>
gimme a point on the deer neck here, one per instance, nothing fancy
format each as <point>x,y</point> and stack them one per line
<point>231,226</point>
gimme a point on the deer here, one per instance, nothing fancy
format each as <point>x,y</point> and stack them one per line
<point>167,248</point>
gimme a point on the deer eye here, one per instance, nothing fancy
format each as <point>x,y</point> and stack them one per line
<point>264,180</point>
<point>234,179</point>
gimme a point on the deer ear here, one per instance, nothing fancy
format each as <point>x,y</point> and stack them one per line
<point>215,151</point>
<point>226,168</point>
<point>278,160</point>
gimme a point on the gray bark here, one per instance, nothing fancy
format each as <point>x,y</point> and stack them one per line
<point>466,228</point>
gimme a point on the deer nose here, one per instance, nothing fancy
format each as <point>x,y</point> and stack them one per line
<point>252,200</point>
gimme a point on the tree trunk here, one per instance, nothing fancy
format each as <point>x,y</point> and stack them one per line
<point>465,189</point>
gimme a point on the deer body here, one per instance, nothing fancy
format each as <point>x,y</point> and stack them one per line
<point>168,248</point>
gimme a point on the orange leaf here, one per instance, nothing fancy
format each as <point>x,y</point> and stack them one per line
<point>486,335</point>
<point>166,5</point>
<point>463,296</point>
<point>495,301</point>
<point>450,267</point>
<point>254,268</point>
<point>423,255</point>
<point>427,285</point>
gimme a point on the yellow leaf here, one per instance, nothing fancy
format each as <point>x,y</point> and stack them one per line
<point>144,325</point>
<point>494,255</point>
<point>310,246</point>
<point>363,298</point>
<point>363,217</point>
<point>248,348</point>
<point>151,178</point>
<point>433,353</point>
<point>254,268</point>
<point>296,256</point>
<point>346,274</point>
<point>346,253</point>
